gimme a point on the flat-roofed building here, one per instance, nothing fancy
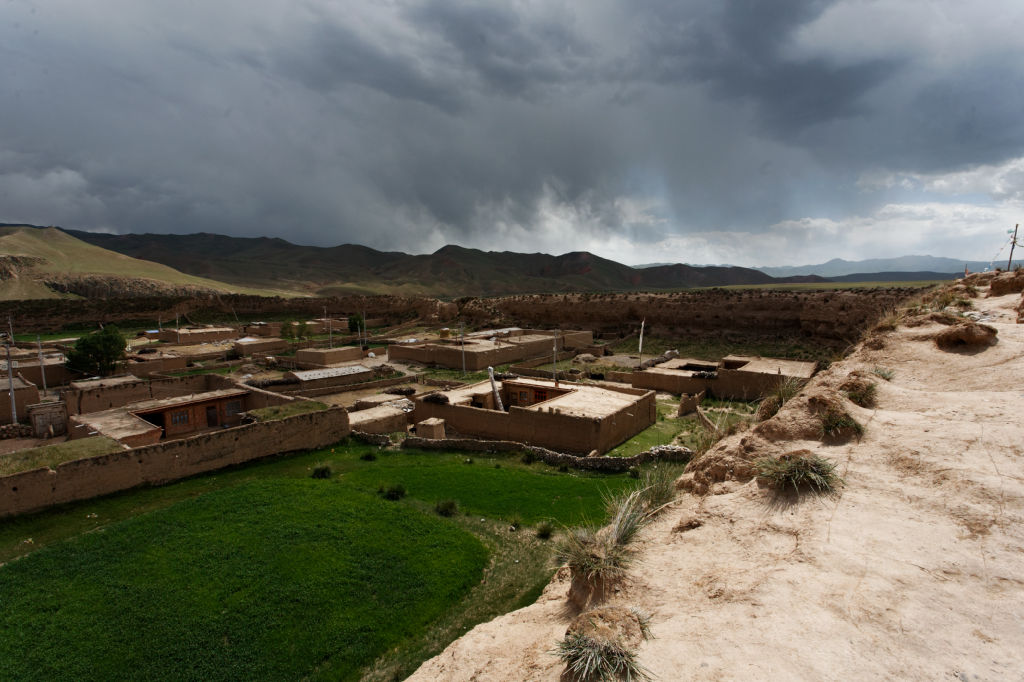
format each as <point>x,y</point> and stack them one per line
<point>575,418</point>
<point>488,348</point>
<point>735,377</point>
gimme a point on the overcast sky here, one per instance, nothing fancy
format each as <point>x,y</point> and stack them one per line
<point>755,133</point>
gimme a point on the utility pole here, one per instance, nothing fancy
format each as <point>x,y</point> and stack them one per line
<point>42,367</point>
<point>1013,243</point>
<point>640,350</point>
<point>554,359</point>
<point>330,330</point>
<point>10,381</point>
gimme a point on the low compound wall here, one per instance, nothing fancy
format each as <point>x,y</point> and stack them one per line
<point>566,432</point>
<point>611,464</point>
<point>164,462</point>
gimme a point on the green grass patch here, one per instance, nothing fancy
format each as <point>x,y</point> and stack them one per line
<point>261,581</point>
<point>53,455</point>
<point>266,414</point>
<point>531,494</point>
<point>662,432</point>
<point>488,501</point>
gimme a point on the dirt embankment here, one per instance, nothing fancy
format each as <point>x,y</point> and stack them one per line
<point>912,571</point>
<point>53,315</point>
<point>744,314</point>
<point>833,317</point>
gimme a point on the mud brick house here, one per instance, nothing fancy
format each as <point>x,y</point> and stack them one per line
<point>488,348</point>
<point>190,336</point>
<point>313,358</point>
<point>735,377</point>
<point>148,422</point>
<point>574,418</point>
<point>248,345</point>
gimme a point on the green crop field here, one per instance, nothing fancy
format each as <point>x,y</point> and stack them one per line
<point>261,572</point>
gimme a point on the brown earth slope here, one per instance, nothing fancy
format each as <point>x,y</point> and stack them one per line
<point>914,571</point>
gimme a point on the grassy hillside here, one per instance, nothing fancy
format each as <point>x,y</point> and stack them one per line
<point>56,253</point>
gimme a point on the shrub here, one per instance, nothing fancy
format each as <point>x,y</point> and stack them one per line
<point>588,659</point>
<point>592,556</point>
<point>447,508</point>
<point>368,457</point>
<point>860,391</point>
<point>393,492</point>
<point>838,424</point>
<point>768,408</point>
<point>545,530</point>
<point>321,471</point>
<point>801,470</point>
<point>889,320</point>
<point>883,372</point>
<point>659,487</point>
<point>528,458</point>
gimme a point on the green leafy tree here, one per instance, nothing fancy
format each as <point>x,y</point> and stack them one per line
<point>355,323</point>
<point>99,352</point>
<point>287,331</point>
<point>301,330</point>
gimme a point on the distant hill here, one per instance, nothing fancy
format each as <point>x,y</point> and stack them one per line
<point>50,263</point>
<point>837,267</point>
<point>896,276</point>
<point>449,271</point>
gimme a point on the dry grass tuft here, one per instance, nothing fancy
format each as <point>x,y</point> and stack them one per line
<point>801,470</point>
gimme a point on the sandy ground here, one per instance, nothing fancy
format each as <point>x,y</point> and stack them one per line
<point>915,571</point>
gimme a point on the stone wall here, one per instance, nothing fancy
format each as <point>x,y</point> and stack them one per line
<point>168,461</point>
<point>665,453</point>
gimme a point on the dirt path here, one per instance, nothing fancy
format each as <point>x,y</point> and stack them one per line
<point>916,571</point>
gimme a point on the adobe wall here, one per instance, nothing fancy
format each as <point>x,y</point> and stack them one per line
<point>23,397</point>
<point>320,357</point>
<point>380,419</point>
<point>668,383</point>
<point>194,337</point>
<point>627,422</point>
<point>55,374</point>
<point>551,429</point>
<point>146,368</point>
<point>729,384</point>
<point>80,401</point>
<point>168,461</point>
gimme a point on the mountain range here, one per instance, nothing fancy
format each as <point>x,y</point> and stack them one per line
<point>449,271</point>
<point>37,262</point>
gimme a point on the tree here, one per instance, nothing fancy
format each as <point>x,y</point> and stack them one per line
<point>355,323</point>
<point>288,331</point>
<point>301,330</point>
<point>99,352</point>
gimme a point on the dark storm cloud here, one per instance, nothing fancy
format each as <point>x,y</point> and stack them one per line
<point>527,126</point>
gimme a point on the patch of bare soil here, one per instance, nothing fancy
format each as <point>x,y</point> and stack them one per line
<point>915,570</point>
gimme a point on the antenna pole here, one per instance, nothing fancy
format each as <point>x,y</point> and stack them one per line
<point>42,367</point>
<point>10,381</point>
<point>1013,243</point>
